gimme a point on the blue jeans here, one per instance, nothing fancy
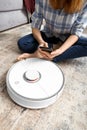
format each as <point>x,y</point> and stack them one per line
<point>28,44</point>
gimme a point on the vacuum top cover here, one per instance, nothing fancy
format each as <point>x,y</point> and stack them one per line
<point>33,80</point>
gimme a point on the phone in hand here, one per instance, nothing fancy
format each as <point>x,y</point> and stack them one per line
<point>47,49</point>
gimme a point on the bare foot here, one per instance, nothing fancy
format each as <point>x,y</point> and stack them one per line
<point>28,55</point>
<point>24,56</point>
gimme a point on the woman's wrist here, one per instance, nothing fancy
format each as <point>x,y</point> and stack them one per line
<point>43,43</point>
<point>59,51</point>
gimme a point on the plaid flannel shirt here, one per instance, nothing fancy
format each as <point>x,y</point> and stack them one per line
<point>57,21</point>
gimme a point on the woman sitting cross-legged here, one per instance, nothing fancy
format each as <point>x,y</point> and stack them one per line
<point>65,22</point>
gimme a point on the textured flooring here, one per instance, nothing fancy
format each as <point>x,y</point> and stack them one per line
<point>69,112</point>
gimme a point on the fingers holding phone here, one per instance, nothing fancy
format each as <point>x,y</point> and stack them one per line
<point>46,52</point>
<point>47,49</point>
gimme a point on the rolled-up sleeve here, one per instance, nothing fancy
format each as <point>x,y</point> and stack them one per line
<point>37,16</point>
<point>81,23</point>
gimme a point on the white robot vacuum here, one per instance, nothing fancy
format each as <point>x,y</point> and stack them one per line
<point>34,83</point>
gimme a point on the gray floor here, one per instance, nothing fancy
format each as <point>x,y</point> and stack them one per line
<point>69,112</point>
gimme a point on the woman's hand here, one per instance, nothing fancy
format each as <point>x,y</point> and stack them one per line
<point>50,56</point>
<point>55,53</point>
<point>43,44</point>
<point>44,54</point>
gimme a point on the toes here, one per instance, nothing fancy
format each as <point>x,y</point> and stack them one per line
<point>23,56</point>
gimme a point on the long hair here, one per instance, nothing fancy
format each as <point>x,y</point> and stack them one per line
<point>69,6</point>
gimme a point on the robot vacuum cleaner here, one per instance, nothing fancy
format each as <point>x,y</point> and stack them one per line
<point>34,83</point>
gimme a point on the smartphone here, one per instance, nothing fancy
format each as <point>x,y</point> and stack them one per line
<point>47,49</point>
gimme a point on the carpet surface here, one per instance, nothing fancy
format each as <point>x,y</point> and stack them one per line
<point>69,112</point>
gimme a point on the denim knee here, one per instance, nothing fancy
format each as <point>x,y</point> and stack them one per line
<point>27,44</point>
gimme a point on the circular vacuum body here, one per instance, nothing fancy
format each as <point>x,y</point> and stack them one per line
<point>34,83</point>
